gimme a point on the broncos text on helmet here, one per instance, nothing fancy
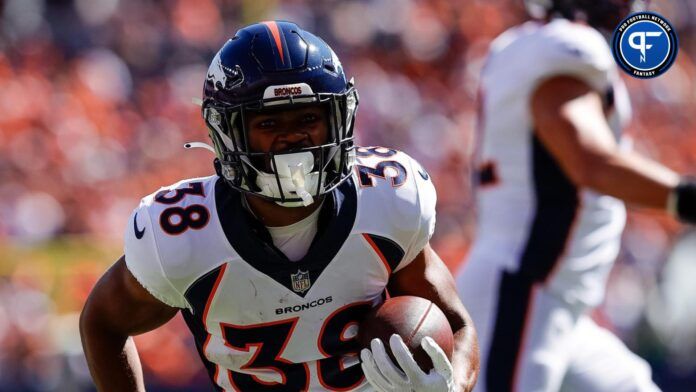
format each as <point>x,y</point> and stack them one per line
<point>278,65</point>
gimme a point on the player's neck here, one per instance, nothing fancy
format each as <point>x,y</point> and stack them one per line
<point>274,215</point>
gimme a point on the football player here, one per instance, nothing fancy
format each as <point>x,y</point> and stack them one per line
<point>553,179</point>
<point>274,260</point>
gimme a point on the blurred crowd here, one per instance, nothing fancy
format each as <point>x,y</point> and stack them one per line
<point>96,104</point>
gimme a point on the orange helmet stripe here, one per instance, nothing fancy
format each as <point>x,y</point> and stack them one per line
<point>273,27</point>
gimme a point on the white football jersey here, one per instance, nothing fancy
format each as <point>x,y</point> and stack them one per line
<point>532,219</point>
<point>260,321</point>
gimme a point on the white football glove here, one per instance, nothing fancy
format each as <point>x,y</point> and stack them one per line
<point>384,376</point>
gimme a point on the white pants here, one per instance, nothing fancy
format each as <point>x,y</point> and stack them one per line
<point>530,340</point>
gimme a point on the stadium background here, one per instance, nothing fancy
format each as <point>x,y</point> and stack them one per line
<point>95,105</point>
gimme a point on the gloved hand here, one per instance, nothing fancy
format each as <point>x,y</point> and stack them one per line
<point>682,201</point>
<point>385,376</point>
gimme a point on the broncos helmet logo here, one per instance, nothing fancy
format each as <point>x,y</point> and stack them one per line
<point>222,77</point>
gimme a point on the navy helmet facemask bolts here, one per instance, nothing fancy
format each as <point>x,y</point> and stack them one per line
<point>276,65</point>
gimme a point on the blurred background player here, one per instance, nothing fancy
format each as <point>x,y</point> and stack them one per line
<point>274,260</point>
<point>553,179</point>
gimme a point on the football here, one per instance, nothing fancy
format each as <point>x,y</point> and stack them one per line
<point>413,318</point>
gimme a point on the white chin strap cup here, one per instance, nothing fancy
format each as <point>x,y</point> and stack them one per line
<point>295,177</point>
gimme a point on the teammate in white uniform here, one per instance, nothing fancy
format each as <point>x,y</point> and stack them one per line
<point>274,261</point>
<point>552,177</point>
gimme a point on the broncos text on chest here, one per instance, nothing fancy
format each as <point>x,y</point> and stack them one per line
<point>305,306</point>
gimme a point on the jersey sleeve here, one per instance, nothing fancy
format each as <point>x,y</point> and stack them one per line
<point>567,48</point>
<point>144,261</point>
<point>424,221</point>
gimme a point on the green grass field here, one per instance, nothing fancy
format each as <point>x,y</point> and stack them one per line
<point>65,269</point>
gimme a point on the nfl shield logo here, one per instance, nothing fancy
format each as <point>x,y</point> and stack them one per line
<point>300,281</point>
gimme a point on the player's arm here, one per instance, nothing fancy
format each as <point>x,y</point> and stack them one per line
<point>570,121</point>
<point>117,308</point>
<point>428,277</point>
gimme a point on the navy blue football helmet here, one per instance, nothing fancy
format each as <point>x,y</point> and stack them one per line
<point>277,65</point>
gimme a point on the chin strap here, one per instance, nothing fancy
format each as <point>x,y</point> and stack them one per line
<point>191,145</point>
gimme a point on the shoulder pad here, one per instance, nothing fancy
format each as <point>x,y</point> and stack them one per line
<point>161,234</point>
<point>566,48</point>
<point>397,198</point>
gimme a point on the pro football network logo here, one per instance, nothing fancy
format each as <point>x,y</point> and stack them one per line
<point>645,45</point>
